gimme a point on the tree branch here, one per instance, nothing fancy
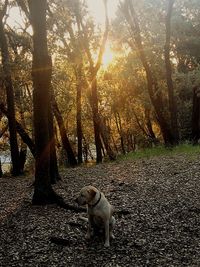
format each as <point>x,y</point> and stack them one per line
<point>4,9</point>
<point>105,37</point>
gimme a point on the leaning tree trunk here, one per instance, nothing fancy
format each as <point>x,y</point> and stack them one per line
<point>65,141</point>
<point>10,100</point>
<point>41,73</point>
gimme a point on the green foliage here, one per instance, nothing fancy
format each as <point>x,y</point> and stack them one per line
<point>122,87</point>
<point>158,151</point>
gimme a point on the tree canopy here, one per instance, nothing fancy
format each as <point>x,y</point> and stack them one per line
<point>130,82</point>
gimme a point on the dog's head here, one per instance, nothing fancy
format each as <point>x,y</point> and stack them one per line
<point>86,195</point>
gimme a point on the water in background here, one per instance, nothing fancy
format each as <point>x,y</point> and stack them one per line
<point>5,161</point>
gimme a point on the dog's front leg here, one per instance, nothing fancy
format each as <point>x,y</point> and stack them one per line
<point>107,234</point>
<point>89,228</point>
<point>112,223</point>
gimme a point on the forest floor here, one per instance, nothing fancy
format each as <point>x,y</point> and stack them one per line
<point>161,227</point>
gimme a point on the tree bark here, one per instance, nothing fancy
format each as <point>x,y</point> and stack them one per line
<point>170,87</point>
<point>10,100</point>
<point>41,74</point>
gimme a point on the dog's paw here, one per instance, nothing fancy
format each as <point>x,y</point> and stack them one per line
<point>107,245</point>
<point>112,236</point>
<point>88,236</point>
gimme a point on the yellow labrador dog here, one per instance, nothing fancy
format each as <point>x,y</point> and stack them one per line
<point>99,210</point>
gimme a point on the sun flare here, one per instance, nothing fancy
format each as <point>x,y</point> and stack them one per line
<point>108,57</point>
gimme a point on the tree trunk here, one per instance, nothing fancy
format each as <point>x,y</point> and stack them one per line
<point>152,85</point>
<point>196,115</point>
<point>65,141</point>
<point>79,113</point>
<point>96,120</point>
<point>105,134</point>
<point>54,173</point>
<point>1,172</point>
<point>170,87</point>
<point>156,100</point>
<point>151,133</point>
<point>23,134</point>
<point>23,145</point>
<point>41,73</point>
<point>94,68</point>
<point>119,128</point>
<point>22,156</point>
<point>10,101</point>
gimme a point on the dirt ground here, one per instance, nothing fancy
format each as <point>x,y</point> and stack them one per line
<point>157,221</point>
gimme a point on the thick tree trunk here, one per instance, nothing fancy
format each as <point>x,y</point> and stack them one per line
<point>170,87</point>
<point>10,101</point>
<point>41,73</point>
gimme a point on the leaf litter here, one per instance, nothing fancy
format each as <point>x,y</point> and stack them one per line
<point>157,203</point>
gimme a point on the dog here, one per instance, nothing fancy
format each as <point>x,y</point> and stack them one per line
<point>99,211</point>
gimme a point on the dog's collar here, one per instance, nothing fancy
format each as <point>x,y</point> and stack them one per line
<point>92,206</point>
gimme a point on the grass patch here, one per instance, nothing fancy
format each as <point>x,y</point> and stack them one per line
<point>160,151</point>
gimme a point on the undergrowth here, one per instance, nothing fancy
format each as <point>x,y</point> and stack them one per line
<point>157,151</point>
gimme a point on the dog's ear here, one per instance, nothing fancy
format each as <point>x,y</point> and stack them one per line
<point>92,193</point>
